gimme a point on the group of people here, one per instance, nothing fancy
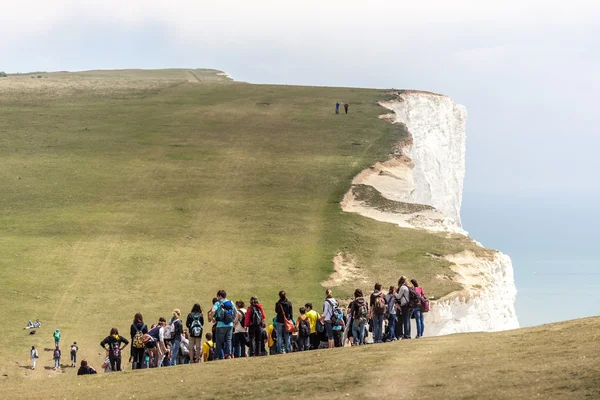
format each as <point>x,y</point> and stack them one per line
<point>337,107</point>
<point>240,331</point>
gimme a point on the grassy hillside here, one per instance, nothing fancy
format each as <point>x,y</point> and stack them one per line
<point>142,191</point>
<point>548,362</point>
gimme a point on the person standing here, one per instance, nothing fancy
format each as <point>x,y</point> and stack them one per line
<point>223,312</point>
<point>195,323</point>
<point>377,306</point>
<point>33,355</point>
<point>116,344</point>
<point>418,312</point>
<point>177,331</point>
<point>346,108</point>
<point>255,321</point>
<point>337,107</point>
<point>303,328</point>
<point>360,314</point>
<point>403,297</point>
<point>284,311</point>
<point>240,332</point>
<point>390,299</point>
<point>328,306</point>
<point>56,337</point>
<point>313,317</point>
<point>56,355</point>
<point>74,349</point>
<point>137,330</point>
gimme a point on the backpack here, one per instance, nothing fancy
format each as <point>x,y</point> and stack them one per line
<point>56,353</point>
<point>137,341</point>
<point>361,311</point>
<point>242,319</point>
<point>226,314</point>
<point>304,330</point>
<point>211,352</point>
<point>379,307</point>
<point>424,304</point>
<point>169,331</point>
<point>337,315</point>
<point>414,299</point>
<point>256,318</point>
<point>196,326</point>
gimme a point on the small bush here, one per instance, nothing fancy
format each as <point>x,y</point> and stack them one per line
<point>2,74</point>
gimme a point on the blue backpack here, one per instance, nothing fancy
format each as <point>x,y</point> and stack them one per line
<point>226,312</point>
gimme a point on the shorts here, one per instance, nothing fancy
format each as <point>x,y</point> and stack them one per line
<point>329,330</point>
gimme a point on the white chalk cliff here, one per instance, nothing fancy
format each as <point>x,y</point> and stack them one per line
<point>420,187</point>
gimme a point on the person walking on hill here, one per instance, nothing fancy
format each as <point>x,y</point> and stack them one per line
<point>255,321</point>
<point>418,312</point>
<point>377,306</point>
<point>284,311</point>
<point>137,330</point>
<point>240,332</point>
<point>313,317</point>
<point>177,332</point>
<point>403,297</point>
<point>56,336</point>
<point>116,344</point>
<point>33,355</point>
<point>223,312</point>
<point>346,108</point>
<point>329,305</point>
<point>360,314</point>
<point>56,355</point>
<point>390,299</point>
<point>74,349</point>
<point>195,323</point>
<point>337,107</point>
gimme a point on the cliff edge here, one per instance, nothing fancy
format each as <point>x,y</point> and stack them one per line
<point>421,187</point>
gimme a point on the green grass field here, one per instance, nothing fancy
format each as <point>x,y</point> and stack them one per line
<point>131,191</point>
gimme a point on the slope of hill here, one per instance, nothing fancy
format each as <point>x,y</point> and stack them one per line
<point>131,191</point>
<point>550,362</point>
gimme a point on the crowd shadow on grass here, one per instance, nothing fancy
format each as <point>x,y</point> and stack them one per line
<point>47,349</point>
<point>62,367</point>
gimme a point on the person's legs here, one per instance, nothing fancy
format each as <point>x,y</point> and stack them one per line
<point>236,345</point>
<point>279,327</point>
<point>314,341</point>
<point>422,320</point>
<point>287,341</point>
<point>220,340</point>
<point>417,314</point>
<point>399,326</point>
<point>362,331</point>
<point>355,332</point>
<point>392,327</point>
<point>175,351</point>
<point>228,335</point>
<point>329,331</point>
<point>406,312</point>
<point>377,328</point>
<point>33,361</point>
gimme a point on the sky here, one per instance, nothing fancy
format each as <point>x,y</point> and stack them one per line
<point>528,72</point>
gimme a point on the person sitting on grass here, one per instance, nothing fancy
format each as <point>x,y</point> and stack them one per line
<point>33,325</point>
<point>85,369</point>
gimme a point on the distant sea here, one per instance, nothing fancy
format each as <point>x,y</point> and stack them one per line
<point>554,246</point>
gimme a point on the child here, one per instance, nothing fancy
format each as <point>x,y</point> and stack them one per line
<point>208,348</point>
<point>74,349</point>
<point>56,337</point>
<point>33,354</point>
<point>56,356</point>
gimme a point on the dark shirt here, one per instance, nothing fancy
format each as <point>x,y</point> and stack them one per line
<point>178,329</point>
<point>113,344</point>
<point>140,326</point>
<point>287,308</point>
<point>87,370</point>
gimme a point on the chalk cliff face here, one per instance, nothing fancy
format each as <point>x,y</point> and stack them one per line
<point>424,178</point>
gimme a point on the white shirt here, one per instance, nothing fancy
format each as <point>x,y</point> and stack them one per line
<point>237,325</point>
<point>328,308</point>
